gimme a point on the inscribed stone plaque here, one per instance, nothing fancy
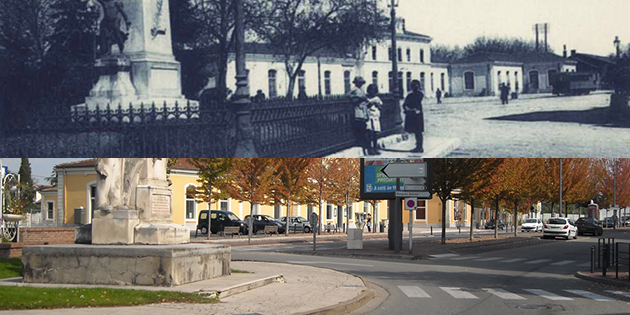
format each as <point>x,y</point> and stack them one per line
<point>160,204</point>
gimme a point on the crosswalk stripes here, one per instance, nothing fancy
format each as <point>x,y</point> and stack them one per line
<point>459,293</point>
<point>513,260</point>
<point>504,294</point>
<point>489,259</point>
<point>562,263</point>
<point>519,260</point>
<point>538,261</point>
<point>590,295</point>
<point>548,295</point>
<point>464,258</point>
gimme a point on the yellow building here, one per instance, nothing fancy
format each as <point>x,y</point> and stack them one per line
<point>73,201</point>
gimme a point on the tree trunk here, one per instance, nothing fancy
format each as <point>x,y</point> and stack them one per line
<point>496,219</point>
<point>515,217</point>
<point>250,223</point>
<point>286,229</point>
<point>472,217</point>
<point>321,216</point>
<point>443,221</point>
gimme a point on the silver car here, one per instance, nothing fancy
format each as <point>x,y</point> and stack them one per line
<point>297,224</point>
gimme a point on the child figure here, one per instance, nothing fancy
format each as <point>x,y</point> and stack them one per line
<point>374,118</point>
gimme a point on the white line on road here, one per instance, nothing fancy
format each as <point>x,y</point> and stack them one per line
<point>562,263</point>
<point>465,258</point>
<point>326,262</point>
<point>489,259</point>
<point>413,291</point>
<point>590,295</point>
<point>512,260</point>
<point>504,294</point>
<point>622,293</point>
<point>458,293</point>
<point>539,261</point>
<point>444,255</point>
<point>548,295</point>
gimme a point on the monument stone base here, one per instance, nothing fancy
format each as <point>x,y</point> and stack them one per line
<point>145,265</point>
<point>114,226</point>
<point>355,239</point>
<point>161,234</point>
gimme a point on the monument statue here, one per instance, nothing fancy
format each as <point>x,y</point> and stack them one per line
<point>109,185</point>
<point>114,25</point>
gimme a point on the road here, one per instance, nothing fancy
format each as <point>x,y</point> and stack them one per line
<point>528,280</point>
<point>545,126</point>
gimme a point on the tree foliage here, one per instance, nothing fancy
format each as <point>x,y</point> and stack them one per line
<point>252,180</point>
<point>443,53</point>
<point>214,176</point>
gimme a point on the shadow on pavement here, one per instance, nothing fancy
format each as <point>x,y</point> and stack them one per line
<point>598,116</point>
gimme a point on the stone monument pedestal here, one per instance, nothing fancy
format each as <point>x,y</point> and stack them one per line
<point>355,239</point>
<point>145,265</point>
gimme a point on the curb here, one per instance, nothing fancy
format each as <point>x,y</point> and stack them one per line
<point>614,282</point>
<point>348,306</point>
<point>357,255</point>
<point>243,287</point>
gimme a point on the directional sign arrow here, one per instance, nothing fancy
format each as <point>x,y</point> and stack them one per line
<point>418,194</point>
<point>400,170</point>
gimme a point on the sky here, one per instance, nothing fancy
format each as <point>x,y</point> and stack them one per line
<point>40,168</point>
<point>587,26</point>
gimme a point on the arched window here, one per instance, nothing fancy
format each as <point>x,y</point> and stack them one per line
<point>399,54</point>
<point>327,89</point>
<point>389,54</point>
<point>422,80</point>
<point>408,55</point>
<point>421,55</point>
<point>346,81</point>
<point>499,79</point>
<point>273,91</point>
<point>442,76</point>
<point>516,81</point>
<point>432,84</point>
<point>301,79</point>
<point>373,52</point>
<point>375,78</point>
<point>533,80</point>
<point>191,205</point>
<point>469,80</point>
<point>408,81</point>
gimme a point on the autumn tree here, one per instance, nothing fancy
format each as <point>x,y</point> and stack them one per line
<point>473,190</point>
<point>452,174</point>
<point>251,180</point>
<point>213,174</point>
<point>516,179</point>
<point>297,29</point>
<point>290,182</point>
<point>613,181</point>
<point>346,186</point>
<point>321,174</point>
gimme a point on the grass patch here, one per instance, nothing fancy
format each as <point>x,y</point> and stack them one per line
<point>25,298</point>
<point>238,271</point>
<point>10,268</point>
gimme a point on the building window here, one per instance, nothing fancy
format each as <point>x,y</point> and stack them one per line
<point>50,210</point>
<point>366,207</point>
<point>516,81</point>
<point>373,52</point>
<point>375,78</point>
<point>350,212</point>
<point>408,81</point>
<point>408,55</point>
<point>469,80</point>
<point>273,91</point>
<point>422,80</point>
<point>421,210</point>
<point>329,212</point>
<point>399,54</point>
<point>533,80</point>
<point>301,79</point>
<point>432,85</point>
<point>421,55</point>
<point>224,205</point>
<point>327,89</point>
<point>389,54</point>
<point>442,78</point>
<point>92,200</point>
<point>191,205</point>
<point>310,209</point>
<point>346,81</point>
<point>507,77</point>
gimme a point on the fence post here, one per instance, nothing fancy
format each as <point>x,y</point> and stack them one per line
<point>605,262</point>
<point>617,261</point>
<point>593,259</point>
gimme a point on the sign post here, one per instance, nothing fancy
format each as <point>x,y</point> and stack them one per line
<point>315,224</point>
<point>411,204</point>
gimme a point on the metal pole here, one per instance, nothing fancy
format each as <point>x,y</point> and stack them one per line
<point>410,232</point>
<point>242,104</point>
<point>560,209</point>
<point>395,86</point>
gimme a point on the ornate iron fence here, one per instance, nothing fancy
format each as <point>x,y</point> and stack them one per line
<point>282,128</point>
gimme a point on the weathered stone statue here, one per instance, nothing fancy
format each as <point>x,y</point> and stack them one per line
<point>114,25</point>
<point>108,190</point>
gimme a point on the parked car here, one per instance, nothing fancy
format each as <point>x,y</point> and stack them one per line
<point>490,225</point>
<point>589,225</point>
<point>219,220</point>
<point>608,222</point>
<point>559,227</point>
<point>625,220</point>
<point>297,224</point>
<point>262,220</point>
<point>532,224</point>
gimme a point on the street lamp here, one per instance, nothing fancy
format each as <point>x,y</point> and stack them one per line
<point>393,5</point>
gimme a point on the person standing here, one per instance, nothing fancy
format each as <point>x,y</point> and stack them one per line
<point>369,222</point>
<point>414,119</point>
<point>438,95</point>
<point>359,101</point>
<point>504,94</point>
<point>374,107</point>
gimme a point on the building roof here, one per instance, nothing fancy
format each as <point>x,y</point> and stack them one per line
<point>531,57</point>
<point>184,164</point>
<point>592,59</point>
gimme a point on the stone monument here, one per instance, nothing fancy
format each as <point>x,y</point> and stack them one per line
<point>134,239</point>
<point>136,64</point>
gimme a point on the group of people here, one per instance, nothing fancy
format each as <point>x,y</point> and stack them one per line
<point>367,113</point>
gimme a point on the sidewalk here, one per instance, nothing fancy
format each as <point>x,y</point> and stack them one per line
<point>400,146</point>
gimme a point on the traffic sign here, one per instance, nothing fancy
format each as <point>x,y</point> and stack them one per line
<point>409,187</point>
<point>414,181</point>
<point>401,170</point>
<point>418,194</point>
<point>411,203</point>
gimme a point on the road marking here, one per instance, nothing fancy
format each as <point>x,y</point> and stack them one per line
<point>539,261</point>
<point>413,291</point>
<point>590,295</point>
<point>458,293</point>
<point>465,258</point>
<point>444,255</point>
<point>548,295</point>
<point>325,262</point>
<point>622,293</point>
<point>562,263</point>
<point>504,294</point>
<point>489,259</point>
<point>512,260</point>
<point>588,264</point>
